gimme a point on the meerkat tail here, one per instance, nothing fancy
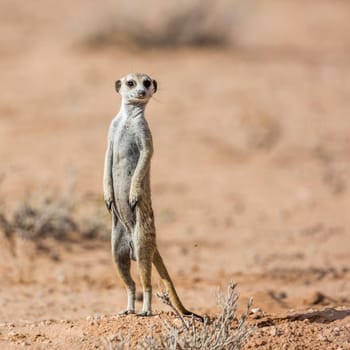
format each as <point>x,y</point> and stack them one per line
<point>169,285</point>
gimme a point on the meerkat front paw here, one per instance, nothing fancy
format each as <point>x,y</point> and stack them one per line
<point>134,197</point>
<point>108,202</point>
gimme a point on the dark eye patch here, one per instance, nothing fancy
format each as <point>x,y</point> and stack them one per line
<point>131,83</point>
<point>147,83</point>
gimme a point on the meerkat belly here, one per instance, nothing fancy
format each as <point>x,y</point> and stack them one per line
<point>125,160</point>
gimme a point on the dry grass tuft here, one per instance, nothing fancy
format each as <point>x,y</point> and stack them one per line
<point>334,171</point>
<point>45,216</point>
<point>162,25</point>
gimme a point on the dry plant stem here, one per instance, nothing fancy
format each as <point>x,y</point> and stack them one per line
<point>164,297</point>
<point>123,344</point>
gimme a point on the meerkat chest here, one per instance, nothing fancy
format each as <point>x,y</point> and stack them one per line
<point>125,146</point>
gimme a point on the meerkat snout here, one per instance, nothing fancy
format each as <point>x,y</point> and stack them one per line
<point>141,93</point>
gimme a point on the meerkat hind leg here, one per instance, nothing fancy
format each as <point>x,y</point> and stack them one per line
<point>121,255</point>
<point>145,259</point>
<point>124,272</point>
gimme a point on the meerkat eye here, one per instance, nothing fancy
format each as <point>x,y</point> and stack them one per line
<point>131,83</point>
<point>147,83</point>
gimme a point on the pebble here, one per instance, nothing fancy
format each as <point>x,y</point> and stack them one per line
<point>13,334</point>
<point>273,331</point>
<point>177,322</point>
<point>65,321</point>
<point>260,342</point>
<point>316,298</point>
<point>93,320</point>
<point>323,338</point>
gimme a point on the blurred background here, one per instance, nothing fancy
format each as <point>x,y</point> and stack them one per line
<point>251,132</point>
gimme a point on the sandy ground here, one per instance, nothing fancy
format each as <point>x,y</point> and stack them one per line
<point>249,176</point>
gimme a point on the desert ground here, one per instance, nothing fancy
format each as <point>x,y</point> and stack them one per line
<point>250,174</point>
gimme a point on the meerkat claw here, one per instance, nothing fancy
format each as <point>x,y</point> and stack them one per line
<point>133,200</point>
<point>108,205</point>
<point>126,312</point>
<point>144,313</point>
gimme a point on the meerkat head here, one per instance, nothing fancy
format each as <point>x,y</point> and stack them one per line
<point>136,88</point>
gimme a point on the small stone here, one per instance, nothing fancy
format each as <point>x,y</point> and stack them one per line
<point>177,322</point>
<point>260,342</point>
<point>281,295</point>
<point>90,320</point>
<point>61,278</point>
<point>322,338</point>
<point>13,334</point>
<point>273,331</point>
<point>315,298</point>
<point>255,310</point>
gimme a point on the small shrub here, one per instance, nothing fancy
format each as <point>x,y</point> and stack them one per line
<point>224,332</point>
<point>57,217</point>
<point>45,218</point>
<point>165,24</point>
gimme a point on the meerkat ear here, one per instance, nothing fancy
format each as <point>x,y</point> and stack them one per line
<point>118,84</point>
<point>155,86</point>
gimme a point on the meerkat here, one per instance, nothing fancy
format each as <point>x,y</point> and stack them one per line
<point>127,193</point>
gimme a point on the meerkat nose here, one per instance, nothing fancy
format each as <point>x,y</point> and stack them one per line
<point>141,93</point>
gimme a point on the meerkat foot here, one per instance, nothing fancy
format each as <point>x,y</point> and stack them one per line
<point>145,313</point>
<point>126,312</point>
